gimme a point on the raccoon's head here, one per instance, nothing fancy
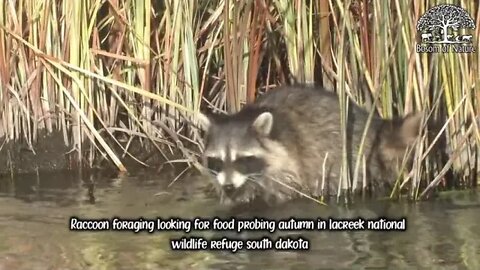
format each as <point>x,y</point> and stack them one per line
<point>235,153</point>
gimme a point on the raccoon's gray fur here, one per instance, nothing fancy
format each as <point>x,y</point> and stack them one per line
<point>275,148</point>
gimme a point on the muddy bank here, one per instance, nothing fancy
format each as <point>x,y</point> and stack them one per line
<point>50,153</point>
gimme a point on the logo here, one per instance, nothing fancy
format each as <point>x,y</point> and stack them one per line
<point>439,30</point>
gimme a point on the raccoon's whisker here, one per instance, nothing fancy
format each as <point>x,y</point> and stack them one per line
<point>251,179</point>
<point>295,190</point>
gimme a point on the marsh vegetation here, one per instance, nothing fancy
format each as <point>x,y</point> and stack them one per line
<point>119,82</point>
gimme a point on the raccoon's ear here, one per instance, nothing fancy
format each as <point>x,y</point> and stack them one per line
<point>203,121</point>
<point>410,127</point>
<point>263,123</point>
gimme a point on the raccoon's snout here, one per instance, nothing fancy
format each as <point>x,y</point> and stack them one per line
<point>229,189</point>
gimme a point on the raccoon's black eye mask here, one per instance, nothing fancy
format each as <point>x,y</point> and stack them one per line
<point>214,164</point>
<point>249,164</point>
<point>244,165</point>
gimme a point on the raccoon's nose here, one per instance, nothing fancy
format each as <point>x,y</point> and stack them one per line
<point>229,189</point>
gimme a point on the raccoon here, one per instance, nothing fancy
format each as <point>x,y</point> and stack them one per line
<point>289,142</point>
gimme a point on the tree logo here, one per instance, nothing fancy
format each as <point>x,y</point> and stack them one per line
<point>439,30</point>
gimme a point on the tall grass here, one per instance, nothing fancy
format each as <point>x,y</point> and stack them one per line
<point>107,73</point>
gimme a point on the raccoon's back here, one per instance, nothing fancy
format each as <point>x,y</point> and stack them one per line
<point>314,114</point>
<point>307,123</point>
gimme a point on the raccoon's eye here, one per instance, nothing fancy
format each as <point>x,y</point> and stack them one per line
<point>214,164</point>
<point>249,164</point>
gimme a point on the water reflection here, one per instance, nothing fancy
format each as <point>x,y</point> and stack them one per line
<point>35,211</point>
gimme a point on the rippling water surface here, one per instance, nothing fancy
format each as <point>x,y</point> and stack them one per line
<point>35,212</point>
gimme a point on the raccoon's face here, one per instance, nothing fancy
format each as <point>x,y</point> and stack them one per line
<point>234,154</point>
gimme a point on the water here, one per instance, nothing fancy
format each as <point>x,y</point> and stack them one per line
<point>35,210</point>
